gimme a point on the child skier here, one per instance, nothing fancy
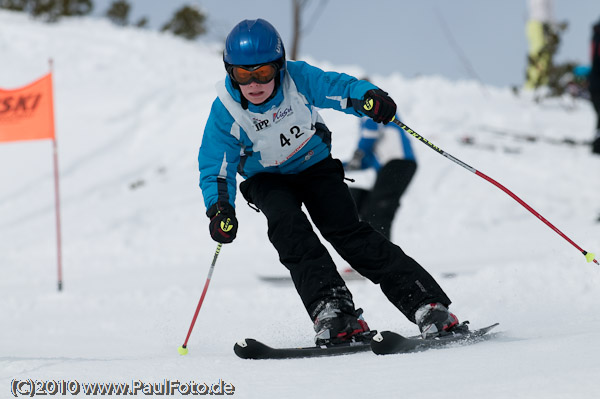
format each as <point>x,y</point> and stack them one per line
<point>265,126</point>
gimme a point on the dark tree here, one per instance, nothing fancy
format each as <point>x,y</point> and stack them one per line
<point>142,23</point>
<point>187,22</point>
<point>46,9</point>
<point>118,13</point>
<point>556,76</point>
<point>50,10</point>
<point>14,5</point>
<point>71,8</point>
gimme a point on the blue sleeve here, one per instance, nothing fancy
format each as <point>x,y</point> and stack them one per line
<point>369,134</point>
<point>327,89</point>
<point>219,156</point>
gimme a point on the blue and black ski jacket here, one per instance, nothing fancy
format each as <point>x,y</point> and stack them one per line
<point>284,135</point>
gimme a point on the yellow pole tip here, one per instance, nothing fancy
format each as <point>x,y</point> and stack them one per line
<point>590,257</point>
<point>182,351</point>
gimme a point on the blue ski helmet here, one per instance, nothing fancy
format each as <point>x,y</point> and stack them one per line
<point>253,42</point>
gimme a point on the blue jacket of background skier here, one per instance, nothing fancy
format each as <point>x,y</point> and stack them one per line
<point>371,134</point>
<point>227,149</point>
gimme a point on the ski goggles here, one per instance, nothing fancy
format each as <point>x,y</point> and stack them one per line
<point>244,75</point>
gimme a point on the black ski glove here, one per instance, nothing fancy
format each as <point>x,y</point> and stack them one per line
<point>223,224</point>
<point>377,105</point>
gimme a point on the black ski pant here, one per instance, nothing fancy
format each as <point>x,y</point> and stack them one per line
<point>595,97</point>
<point>322,190</point>
<point>379,205</point>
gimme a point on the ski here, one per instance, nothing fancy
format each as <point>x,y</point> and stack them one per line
<point>388,342</point>
<point>347,274</point>
<point>384,343</point>
<point>535,137</point>
<point>471,141</point>
<point>252,349</point>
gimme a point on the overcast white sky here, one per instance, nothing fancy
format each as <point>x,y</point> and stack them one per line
<point>459,39</point>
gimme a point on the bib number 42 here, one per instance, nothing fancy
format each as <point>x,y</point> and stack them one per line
<point>295,133</point>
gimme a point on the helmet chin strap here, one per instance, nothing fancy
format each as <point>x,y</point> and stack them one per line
<point>236,86</point>
<point>243,101</point>
<point>277,83</point>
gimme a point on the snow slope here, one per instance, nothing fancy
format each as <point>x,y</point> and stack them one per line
<point>130,110</point>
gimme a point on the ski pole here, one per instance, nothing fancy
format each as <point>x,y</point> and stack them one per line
<point>590,257</point>
<point>183,348</point>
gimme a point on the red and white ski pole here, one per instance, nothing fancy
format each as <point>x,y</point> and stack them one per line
<point>590,257</point>
<point>183,348</point>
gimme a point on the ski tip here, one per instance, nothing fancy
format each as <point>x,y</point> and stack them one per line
<point>250,349</point>
<point>385,342</point>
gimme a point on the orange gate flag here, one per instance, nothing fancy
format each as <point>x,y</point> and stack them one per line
<point>27,113</point>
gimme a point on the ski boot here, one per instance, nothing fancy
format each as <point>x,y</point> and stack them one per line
<point>338,322</point>
<point>435,320</point>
